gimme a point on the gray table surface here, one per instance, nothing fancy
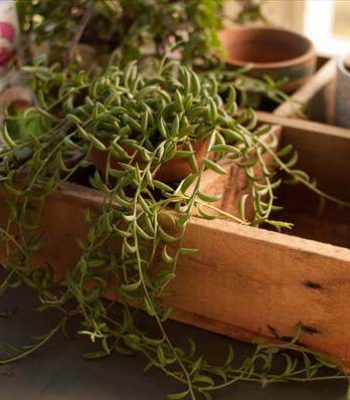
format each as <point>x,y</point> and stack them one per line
<point>58,371</point>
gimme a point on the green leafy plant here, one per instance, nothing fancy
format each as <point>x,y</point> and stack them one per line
<point>133,27</point>
<point>139,121</point>
<point>251,11</point>
<point>122,126</point>
<point>140,30</point>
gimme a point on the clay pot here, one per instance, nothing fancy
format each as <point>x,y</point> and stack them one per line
<point>274,52</point>
<point>173,170</point>
<point>342,93</point>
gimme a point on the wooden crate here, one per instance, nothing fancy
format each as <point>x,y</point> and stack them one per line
<point>253,283</point>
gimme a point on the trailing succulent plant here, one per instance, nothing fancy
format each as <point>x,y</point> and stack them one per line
<point>123,126</point>
<point>138,121</point>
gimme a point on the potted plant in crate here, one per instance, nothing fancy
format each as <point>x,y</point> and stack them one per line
<point>133,124</point>
<point>141,123</point>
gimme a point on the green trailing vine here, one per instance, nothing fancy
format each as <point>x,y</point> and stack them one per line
<point>120,126</point>
<point>138,120</point>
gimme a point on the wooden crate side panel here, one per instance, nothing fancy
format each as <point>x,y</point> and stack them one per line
<point>62,224</point>
<point>316,97</point>
<point>324,151</point>
<point>244,282</point>
<point>267,284</point>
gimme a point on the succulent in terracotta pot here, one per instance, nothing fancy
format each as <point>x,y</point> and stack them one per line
<point>139,122</point>
<point>173,170</point>
<point>134,114</point>
<point>142,130</point>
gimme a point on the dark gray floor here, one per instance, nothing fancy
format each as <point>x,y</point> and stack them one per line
<point>59,373</point>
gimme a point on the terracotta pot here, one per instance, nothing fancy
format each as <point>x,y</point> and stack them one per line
<point>274,52</point>
<point>173,170</point>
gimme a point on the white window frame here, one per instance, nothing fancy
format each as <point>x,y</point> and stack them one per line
<point>318,22</point>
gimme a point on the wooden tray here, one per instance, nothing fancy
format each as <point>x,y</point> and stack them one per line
<point>253,283</point>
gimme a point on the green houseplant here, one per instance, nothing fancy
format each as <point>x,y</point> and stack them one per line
<point>139,119</point>
<point>135,27</point>
<point>139,30</point>
<point>160,117</point>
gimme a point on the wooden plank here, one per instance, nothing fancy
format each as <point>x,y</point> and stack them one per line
<point>324,150</point>
<point>317,95</point>
<point>253,283</point>
<point>232,186</point>
<point>244,282</point>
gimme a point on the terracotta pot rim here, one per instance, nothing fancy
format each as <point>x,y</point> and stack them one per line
<point>311,52</point>
<point>173,170</point>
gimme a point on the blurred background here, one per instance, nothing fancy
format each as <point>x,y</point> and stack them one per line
<point>325,22</point>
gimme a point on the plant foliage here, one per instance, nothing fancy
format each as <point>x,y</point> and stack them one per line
<point>139,121</point>
<point>138,118</point>
<point>133,27</point>
<point>90,31</point>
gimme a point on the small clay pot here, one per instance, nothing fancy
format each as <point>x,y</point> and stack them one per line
<point>173,170</point>
<point>275,52</point>
<point>342,93</point>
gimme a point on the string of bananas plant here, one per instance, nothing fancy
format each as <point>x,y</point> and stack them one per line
<point>138,121</point>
